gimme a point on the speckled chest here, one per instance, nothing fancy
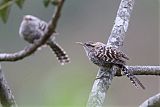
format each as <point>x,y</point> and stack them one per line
<point>102,56</point>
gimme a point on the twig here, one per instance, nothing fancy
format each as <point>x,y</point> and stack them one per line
<point>152,101</point>
<point>6,96</point>
<point>33,47</point>
<point>100,86</point>
<point>142,70</point>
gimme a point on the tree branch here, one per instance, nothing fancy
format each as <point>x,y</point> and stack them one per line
<point>120,27</point>
<point>142,70</point>
<point>100,86</point>
<point>152,101</point>
<point>6,96</point>
<point>33,47</point>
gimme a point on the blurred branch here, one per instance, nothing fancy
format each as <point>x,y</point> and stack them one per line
<point>33,47</point>
<point>142,70</point>
<point>6,96</point>
<point>152,101</point>
<point>100,86</point>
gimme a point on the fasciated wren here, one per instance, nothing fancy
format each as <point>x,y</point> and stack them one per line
<point>102,56</point>
<point>33,28</point>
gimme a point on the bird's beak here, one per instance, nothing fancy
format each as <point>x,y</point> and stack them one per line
<point>80,43</point>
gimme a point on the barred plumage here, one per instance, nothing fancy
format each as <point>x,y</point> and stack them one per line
<point>59,52</point>
<point>102,55</point>
<point>33,28</point>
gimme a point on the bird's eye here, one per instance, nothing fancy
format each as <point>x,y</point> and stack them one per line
<point>88,44</point>
<point>29,18</point>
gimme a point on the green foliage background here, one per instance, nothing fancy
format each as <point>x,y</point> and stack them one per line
<point>40,81</point>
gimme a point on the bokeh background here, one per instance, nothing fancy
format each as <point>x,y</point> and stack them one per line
<point>40,81</point>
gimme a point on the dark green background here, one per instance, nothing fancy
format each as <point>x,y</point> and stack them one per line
<point>40,81</point>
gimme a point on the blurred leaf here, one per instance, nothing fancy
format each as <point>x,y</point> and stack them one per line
<point>20,3</point>
<point>5,3</point>
<point>4,14</point>
<point>5,9</point>
<point>46,2</point>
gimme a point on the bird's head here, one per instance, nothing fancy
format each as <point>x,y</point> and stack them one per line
<point>29,18</point>
<point>29,23</point>
<point>91,46</point>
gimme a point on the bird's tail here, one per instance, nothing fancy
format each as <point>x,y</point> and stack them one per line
<point>59,52</point>
<point>132,78</point>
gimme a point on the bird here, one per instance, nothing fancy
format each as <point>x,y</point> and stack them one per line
<point>32,29</point>
<point>101,55</point>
